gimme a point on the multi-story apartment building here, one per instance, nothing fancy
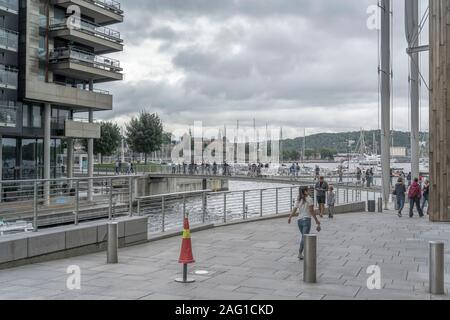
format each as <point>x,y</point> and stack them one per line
<point>52,56</point>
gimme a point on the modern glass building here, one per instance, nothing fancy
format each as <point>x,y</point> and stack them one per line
<point>51,60</point>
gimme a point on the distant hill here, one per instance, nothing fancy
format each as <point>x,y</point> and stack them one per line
<point>338,142</point>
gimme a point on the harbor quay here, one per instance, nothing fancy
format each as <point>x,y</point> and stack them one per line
<point>252,260</point>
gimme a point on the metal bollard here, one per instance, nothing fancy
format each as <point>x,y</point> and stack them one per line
<point>310,262</point>
<point>113,243</point>
<point>437,268</point>
<point>380,205</point>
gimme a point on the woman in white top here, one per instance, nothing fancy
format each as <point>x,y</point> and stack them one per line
<point>305,209</point>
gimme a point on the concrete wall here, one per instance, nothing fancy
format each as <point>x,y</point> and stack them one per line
<point>65,242</point>
<point>147,186</point>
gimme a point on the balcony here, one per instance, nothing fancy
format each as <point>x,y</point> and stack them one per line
<point>104,12</point>
<point>8,77</point>
<point>9,40</point>
<point>75,63</point>
<point>8,115</point>
<point>9,6</point>
<point>101,39</point>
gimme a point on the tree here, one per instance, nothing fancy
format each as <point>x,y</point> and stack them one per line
<point>327,154</point>
<point>109,141</point>
<point>145,133</point>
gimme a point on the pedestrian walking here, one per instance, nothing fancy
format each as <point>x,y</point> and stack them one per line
<point>331,201</point>
<point>400,194</point>
<point>305,211</point>
<point>415,194</point>
<point>321,190</point>
<point>426,196</point>
<point>409,178</point>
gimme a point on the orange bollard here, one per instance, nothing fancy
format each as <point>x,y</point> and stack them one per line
<point>186,256</point>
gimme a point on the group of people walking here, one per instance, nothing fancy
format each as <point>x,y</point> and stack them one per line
<point>128,170</point>
<point>418,196</point>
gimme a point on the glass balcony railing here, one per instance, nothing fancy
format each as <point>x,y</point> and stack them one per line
<point>8,115</point>
<point>79,56</point>
<point>81,87</point>
<point>85,26</point>
<point>12,5</point>
<point>9,39</point>
<point>8,77</point>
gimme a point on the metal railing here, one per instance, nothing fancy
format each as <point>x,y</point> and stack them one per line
<point>8,116</point>
<point>80,87</point>
<point>108,4</point>
<point>85,26</point>
<point>9,39</point>
<point>10,4</point>
<point>8,77</point>
<point>79,56</point>
<point>47,203</point>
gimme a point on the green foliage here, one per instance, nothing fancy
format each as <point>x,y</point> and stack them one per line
<point>327,154</point>
<point>109,140</point>
<point>145,133</point>
<point>339,141</point>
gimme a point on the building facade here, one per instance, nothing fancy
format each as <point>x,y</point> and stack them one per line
<point>53,53</point>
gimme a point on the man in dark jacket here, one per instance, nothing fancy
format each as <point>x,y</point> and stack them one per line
<point>400,193</point>
<point>415,194</point>
<point>321,192</point>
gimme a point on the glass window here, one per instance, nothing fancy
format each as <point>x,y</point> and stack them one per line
<point>9,158</point>
<point>26,116</point>
<point>37,117</point>
<point>29,159</point>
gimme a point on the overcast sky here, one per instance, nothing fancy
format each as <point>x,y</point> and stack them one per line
<point>292,63</point>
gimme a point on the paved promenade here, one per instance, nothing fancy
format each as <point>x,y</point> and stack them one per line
<point>253,261</point>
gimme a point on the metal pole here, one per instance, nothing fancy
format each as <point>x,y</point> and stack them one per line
<point>163,212</point>
<point>225,208</point>
<point>412,36</point>
<point>261,203</point>
<point>77,201</point>
<point>113,243</point>
<point>386,97</point>
<point>130,195</point>
<point>110,199</point>
<point>276,201</point>
<point>139,207</point>
<point>292,200</point>
<point>437,268</point>
<point>184,205</point>
<point>204,207</point>
<point>310,262</point>
<point>244,213</point>
<point>35,207</point>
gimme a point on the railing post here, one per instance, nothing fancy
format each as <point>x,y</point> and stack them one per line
<point>337,195</point>
<point>276,201</point>
<point>204,207</point>
<point>130,196</point>
<point>244,213</point>
<point>163,213</point>
<point>110,199</point>
<point>225,208</point>
<point>291,199</point>
<point>139,207</point>
<point>261,203</point>
<point>184,205</point>
<point>77,201</point>
<point>35,207</point>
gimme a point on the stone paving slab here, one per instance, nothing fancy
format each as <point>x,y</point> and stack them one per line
<point>253,261</point>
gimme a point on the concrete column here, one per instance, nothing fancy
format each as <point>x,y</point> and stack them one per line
<point>47,144</point>
<point>90,160</point>
<point>439,110</point>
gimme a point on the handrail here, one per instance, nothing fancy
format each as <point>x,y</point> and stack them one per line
<point>85,25</point>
